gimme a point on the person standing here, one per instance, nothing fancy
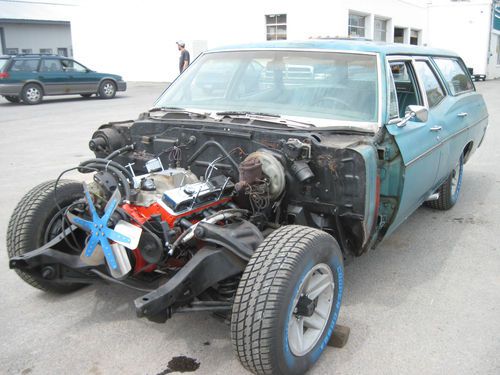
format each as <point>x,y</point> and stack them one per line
<point>184,59</point>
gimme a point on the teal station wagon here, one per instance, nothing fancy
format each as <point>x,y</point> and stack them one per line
<point>29,77</point>
<point>252,176</point>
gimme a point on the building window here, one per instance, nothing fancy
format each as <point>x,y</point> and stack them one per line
<point>62,52</point>
<point>12,51</point>
<point>380,30</point>
<point>46,51</point>
<point>356,26</point>
<point>276,26</point>
<point>399,35</point>
<point>414,37</point>
<point>26,51</point>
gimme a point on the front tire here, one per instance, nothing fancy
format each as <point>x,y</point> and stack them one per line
<point>107,89</point>
<point>32,93</point>
<point>34,222</point>
<point>449,191</point>
<point>288,301</point>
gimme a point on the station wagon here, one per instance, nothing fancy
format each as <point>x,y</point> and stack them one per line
<point>30,77</point>
<point>256,171</point>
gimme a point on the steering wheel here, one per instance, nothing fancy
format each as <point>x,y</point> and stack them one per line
<point>336,102</point>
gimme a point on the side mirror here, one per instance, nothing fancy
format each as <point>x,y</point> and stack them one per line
<point>416,113</point>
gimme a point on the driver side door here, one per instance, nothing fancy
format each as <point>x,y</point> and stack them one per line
<point>417,141</point>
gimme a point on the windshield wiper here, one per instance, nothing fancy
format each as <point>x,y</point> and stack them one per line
<point>269,117</point>
<point>178,110</point>
<point>246,113</point>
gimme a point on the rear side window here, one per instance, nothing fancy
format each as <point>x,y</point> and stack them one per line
<point>51,65</point>
<point>433,89</point>
<point>3,63</point>
<point>457,79</point>
<point>24,65</point>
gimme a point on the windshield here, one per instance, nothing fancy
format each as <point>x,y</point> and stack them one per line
<point>317,85</point>
<point>3,62</point>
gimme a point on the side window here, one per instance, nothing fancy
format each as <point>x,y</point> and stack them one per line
<point>407,92</point>
<point>51,65</point>
<point>457,79</point>
<point>393,98</point>
<point>72,66</point>
<point>24,65</point>
<point>433,89</point>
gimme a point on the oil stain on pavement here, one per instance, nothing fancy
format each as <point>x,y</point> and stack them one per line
<point>181,364</point>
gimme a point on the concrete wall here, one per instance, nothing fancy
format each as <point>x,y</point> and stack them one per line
<point>34,37</point>
<point>137,40</point>
<point>462,27</point>
<point>140,42</point>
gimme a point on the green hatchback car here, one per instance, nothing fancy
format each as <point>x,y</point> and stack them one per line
<point>28,78</point>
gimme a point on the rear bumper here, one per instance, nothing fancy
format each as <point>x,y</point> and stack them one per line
<point>10,89</point>
<point>121,86</point>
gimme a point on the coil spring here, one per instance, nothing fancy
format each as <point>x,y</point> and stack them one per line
<point>227,288</point>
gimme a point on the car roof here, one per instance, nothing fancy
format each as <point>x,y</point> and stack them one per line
<point>34,56</point>
<point>354,45</point>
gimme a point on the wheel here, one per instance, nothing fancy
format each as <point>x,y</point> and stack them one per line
<point>12,99</point>
<point>288,301</point>
<point>35,221</point>
<point>449,191</point>
<point>32,93</point>
<point>86,95</point>
<point>107,89</point>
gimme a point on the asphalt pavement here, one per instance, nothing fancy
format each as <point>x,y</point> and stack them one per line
<point>426,301</point>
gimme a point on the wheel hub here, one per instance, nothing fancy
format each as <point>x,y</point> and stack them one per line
<point>312,307</point>
<point>305,306</point>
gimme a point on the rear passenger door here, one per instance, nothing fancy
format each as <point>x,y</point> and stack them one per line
<point>54,78</point>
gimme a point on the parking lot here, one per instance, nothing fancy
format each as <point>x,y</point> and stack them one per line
<point>426,301</point>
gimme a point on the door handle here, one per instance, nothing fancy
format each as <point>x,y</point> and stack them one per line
<point>436,128</point>
<point>462,114</point>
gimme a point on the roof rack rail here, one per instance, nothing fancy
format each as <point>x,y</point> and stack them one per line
<point>36,54</point>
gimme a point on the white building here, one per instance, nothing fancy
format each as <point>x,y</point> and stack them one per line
<point>137,40</point>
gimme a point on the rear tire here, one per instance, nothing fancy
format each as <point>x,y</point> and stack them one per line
<point>449,191</point>
<point>32,93</point>
<point>13,99</point>
<point>29,226</point>
<point>272,320</point>
<point>107,89</point>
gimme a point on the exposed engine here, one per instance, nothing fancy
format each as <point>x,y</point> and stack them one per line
<point>158,220</point>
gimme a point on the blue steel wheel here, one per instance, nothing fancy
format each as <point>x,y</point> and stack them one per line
<point>288,301</point>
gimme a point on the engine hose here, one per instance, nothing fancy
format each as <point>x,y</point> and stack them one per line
<point>125,183</point>
<point>115,153</point>
<point>218,216</point>
<point>108,163</point>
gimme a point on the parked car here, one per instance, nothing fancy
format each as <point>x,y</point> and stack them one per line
<point>28,78</point>
<point>242,196</point>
